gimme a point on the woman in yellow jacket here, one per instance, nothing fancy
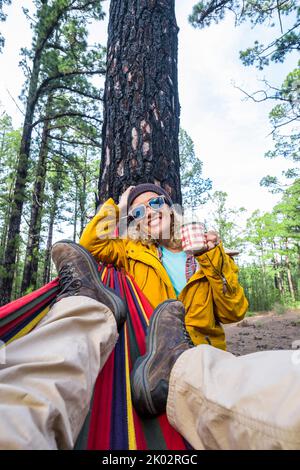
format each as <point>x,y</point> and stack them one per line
<point>206,284</point>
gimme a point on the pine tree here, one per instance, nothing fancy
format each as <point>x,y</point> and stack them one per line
<point>9,145</point>
<point>141,106</point>
<point>194,187</point>
<point>45,75</point>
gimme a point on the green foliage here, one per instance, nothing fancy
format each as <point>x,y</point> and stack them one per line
<point>272,183</point>
<point>69,66</point>
<point>67,61</point>
<point>269,268</point>
<point>206,12</point>
<point>286,114</point>
<point>225,220</point>
<point>273,241</point>
<point>259,287</point>
<point>288,213</point>
<point>256,12</point>
<point>194,187</point>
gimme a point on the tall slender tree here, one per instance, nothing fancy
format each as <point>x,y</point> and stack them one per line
<point>50,16</point>
<point>31,257</point>
<point>141,105</point>
<point>71,115</point>
<point>9,145</point>
<point>55,187</point>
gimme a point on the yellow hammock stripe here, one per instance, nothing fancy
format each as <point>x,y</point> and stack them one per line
<point>130,421</point>
<point>29,326</point>
<point>103,273</point>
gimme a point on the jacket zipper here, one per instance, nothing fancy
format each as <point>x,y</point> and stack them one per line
<point>225,285</point>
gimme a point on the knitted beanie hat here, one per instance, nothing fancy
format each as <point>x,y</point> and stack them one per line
<point>145,187</point>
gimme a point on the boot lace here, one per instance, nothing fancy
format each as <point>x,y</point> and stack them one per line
<point>186,335</point>
<point>68,280</point>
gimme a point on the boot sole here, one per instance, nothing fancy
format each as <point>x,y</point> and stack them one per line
<point>140,389</point>
<point>118,305</point>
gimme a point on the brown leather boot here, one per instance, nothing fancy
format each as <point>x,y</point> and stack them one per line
<point>167,338</point>
<point>78,275</point>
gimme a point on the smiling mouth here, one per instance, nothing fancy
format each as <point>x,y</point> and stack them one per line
<point>154,221</point>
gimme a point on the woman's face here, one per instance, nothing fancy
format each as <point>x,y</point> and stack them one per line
<point>156,224</point>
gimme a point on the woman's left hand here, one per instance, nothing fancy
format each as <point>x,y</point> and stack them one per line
<point>212,239</point>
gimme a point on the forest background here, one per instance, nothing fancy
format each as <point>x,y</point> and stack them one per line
<point>239,90</point>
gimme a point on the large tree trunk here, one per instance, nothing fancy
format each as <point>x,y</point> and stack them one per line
<point>32,249</point>
<point>141,106</point>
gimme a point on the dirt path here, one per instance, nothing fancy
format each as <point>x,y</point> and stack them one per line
<point>264,331</point>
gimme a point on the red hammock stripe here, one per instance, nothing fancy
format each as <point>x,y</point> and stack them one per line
<point>99,433</point>
<point>137,326</point>
<point>173,440</point>
<point>19,303</point>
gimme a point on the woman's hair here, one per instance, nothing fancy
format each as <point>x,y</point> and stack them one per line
<point>135,233</point>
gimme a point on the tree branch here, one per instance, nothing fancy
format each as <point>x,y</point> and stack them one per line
<point>212,7</point>
<point>76,142</point>
<point>73,90</point>
<point>63,76</point>
<point>67,114</point>
<point>266,96</point>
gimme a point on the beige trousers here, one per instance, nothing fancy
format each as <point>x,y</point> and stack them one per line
<point>219,401</point>
<point>216,400</point>
<point>47,381</point>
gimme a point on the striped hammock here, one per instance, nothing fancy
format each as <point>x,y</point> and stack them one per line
<point>112,423</point>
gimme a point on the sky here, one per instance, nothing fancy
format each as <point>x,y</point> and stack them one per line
<point>230,134</point>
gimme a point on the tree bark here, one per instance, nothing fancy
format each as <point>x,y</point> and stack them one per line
<point>17,276</point>
<point>289,275</point>
<point>75,213</point>
<point>141,105</point>
<point>52,217</point>
<point>83,194</point>
<point>278,280</point>
<point>34,233</point>
<point>3,239</point>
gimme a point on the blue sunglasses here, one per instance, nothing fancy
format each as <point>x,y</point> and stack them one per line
<point>155,203</point>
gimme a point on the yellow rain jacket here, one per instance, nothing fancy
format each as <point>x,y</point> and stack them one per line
<point>212,295</point>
